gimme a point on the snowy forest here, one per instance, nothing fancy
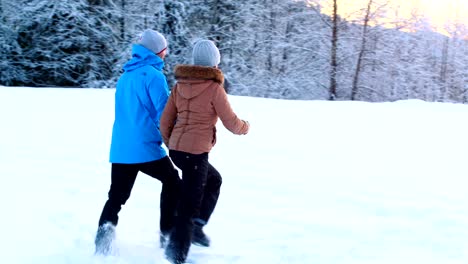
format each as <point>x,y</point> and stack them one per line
<point>270,48</point>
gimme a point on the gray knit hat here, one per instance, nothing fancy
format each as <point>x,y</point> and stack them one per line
<point>153,41</point>
<point>205,53</point>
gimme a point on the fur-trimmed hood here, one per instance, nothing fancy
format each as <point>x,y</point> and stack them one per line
<point>192,80</point>
<point>199,72</point>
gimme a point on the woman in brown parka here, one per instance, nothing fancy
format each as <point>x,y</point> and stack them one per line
<point>188,128</point>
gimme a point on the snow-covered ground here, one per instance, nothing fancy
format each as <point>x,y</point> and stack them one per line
<point>314,182</point>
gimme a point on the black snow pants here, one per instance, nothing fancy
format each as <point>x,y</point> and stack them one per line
<point>201,184</point>
<point>123,177</point>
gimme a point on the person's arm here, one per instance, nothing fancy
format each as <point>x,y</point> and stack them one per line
<point>226,114</point>
<point>168,118</point>
<point>159,94</point>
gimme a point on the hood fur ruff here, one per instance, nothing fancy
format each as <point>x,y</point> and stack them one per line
<point>199,72</point>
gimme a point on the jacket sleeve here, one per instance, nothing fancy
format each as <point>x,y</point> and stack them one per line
<point>226,114</point>
<point>168,118</point>
<point>159,94</point>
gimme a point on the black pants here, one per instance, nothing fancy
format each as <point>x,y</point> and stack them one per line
<point>123,177</point>
<point>201,184</point>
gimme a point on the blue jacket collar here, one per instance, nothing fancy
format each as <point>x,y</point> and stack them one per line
<point>142,56</point>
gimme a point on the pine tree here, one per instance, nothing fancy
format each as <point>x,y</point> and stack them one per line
<point>103,33</point>
<point>171,23</point>
<point>66,43</point>
<point>11,72</point>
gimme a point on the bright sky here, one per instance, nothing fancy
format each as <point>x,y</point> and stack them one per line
<point>438,12</point>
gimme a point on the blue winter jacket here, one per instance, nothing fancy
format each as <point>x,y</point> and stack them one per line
<point>140,98</point>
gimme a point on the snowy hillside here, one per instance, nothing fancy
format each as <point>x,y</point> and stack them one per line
<point>314,182</point>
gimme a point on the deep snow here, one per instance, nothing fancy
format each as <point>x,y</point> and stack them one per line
<point>314,182</point>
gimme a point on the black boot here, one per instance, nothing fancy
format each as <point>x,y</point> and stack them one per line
<point>178,244</point>
<point>104,239</point>
<point>174,254</point>
<point>199,238</point>
<point>176,250</point>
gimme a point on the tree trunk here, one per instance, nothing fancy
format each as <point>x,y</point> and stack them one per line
<point>443,71</point>
<point>270,34</point>
<point>122,21</point>
<point>288,36</point>
<point>145,15</point>
<point>215,21</point>
<point>334,48</point>
<point>357,73</point>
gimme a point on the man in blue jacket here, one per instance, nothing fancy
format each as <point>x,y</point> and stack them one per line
<point>140,98</point>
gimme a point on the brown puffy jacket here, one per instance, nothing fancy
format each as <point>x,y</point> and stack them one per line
<point>188,122</point>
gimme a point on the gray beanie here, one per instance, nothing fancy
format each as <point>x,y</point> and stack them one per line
<point>153,41</point>
<point>205,53</point>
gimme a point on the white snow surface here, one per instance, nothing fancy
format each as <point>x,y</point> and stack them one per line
<point>313,182</point>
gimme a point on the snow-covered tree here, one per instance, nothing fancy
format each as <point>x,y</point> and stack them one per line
<point>104,42</point>
<point>11,71</point>
<point>171,23</point>
<point>270,48</point>
<point>66,43</point>
<point>454,70</point>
